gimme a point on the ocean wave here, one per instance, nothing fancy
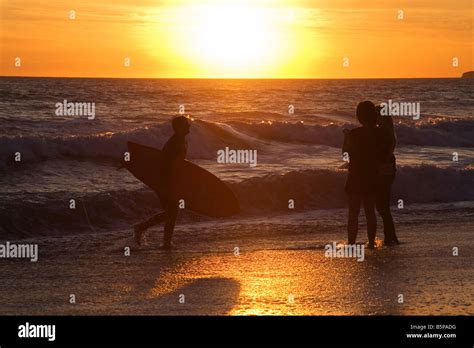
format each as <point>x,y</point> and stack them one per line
<point>261,196</point>
<point>445,132</point>
<point>324,188</point>
<point>207,137</point>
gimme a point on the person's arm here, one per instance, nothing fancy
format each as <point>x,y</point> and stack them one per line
<point>169,153</point>
<point>392,134</point>
<point>389,131</point>
<point>346,147</point>
<point>173,151</point>
<point>181,151</point>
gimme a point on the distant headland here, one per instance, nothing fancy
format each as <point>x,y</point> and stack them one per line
<point>468,74</point>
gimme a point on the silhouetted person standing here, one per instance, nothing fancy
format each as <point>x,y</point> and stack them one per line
<point>386,169</point>
<point>361,145</point>
<point>175,149</point>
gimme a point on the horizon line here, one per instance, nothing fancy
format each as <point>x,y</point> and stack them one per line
<point>230,78</point>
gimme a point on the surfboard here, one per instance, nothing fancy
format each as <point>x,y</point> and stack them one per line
<point>201,190</point>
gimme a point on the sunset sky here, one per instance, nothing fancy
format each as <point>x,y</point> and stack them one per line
<point>255,39</point>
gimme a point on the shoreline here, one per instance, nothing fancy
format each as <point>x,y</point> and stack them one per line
<point>279,269</point>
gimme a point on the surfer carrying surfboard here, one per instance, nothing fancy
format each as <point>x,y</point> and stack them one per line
<point>174,150</point>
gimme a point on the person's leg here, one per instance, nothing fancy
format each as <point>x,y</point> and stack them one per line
<point>152,221</point>
<point>353,217</point>
<point>141,227</point>
<point>391,224</point>
<point>369,208</point>
<point>171,216</point>
<point>383,207</point>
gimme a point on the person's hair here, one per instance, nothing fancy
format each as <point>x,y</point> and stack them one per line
<point>366,114</point>
<point>178,122</point>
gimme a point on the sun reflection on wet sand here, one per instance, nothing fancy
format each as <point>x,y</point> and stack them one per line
<point>298,280</point>
<point>278,283</point>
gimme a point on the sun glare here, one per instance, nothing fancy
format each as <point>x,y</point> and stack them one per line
<point>229,39</point>
<point>231,35</point>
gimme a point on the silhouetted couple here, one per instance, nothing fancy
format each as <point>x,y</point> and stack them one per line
<point>371,172</point>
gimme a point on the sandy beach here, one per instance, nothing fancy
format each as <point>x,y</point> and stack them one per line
<point>279,268</point>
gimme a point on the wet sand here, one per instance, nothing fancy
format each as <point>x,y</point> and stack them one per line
<point>283,273</point>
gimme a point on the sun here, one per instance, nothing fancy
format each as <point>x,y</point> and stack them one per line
<point>231,35</point>
<point>230,38</point>
<point>225,39</point>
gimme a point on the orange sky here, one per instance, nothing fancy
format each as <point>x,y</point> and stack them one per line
<point>226,38</point>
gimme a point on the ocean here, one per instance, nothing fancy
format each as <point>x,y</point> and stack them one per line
<point>294,125</point>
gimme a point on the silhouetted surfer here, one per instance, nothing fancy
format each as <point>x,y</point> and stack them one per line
<point>361,145</point>
<point>174,149</point>
<point>386,169</point>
